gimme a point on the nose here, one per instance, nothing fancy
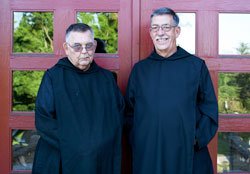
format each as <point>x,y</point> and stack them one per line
<point>84,50</point>
<point>160,31</point>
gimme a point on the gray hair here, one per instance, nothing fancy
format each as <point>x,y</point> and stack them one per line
<point>166,11</point>
<point>78,27</point>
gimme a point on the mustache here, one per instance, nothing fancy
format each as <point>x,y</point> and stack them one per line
<point>161,37</point>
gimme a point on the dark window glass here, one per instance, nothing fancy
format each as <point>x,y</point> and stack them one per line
<point>23,148</point>
<point>233,152</point>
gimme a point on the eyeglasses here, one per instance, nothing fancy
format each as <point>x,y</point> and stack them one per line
<point>79,47</point>
<point>165,27</point>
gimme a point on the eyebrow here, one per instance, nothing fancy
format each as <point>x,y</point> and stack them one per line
<point>77,43</point>
<point>159,25</point>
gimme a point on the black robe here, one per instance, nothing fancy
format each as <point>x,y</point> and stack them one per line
<point>78,115</point>
<point>170,102</point>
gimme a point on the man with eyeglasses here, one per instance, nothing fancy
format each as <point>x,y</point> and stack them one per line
<point>78,112</point>
<point>171,107</point>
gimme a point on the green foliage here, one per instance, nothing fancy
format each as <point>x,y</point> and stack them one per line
<point>34,33</point>
<point>17,138</point>
<point>243,49</point>
<point>243,81</point>
<point>223,144</point>
<point>234,93</point>
<point>104,25</point>
<point>25,88</point>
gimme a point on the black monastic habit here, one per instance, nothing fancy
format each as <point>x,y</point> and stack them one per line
<point>170,102</point>
<point>78,115</point>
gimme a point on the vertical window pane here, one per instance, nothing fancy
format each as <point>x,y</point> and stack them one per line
<point>105,26</point>
<point>23,148</point>
<point>33,32</point>
<point>25,87</point>
<point>234,37</point>
<point>187,37</point>
<point>233,152</point>
<point>234,93</point>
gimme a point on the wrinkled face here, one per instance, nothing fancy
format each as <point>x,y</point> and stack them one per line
<point>80,48</point>
<point>165,38</point>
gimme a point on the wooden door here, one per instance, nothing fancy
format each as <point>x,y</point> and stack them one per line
<point>22,53</point>
<point>210,35</point>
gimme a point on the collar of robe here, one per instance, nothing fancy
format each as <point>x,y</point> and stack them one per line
<point>65,63</point>
<point>179,54</point>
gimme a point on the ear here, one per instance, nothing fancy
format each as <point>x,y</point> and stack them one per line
<point>151,33</point>
<point>65,47</point>
<point>95,42</point>
<point>177,31</point>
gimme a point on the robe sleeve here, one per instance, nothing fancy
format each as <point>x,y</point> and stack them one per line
<point>206,111</point>
<point>45,114</point>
